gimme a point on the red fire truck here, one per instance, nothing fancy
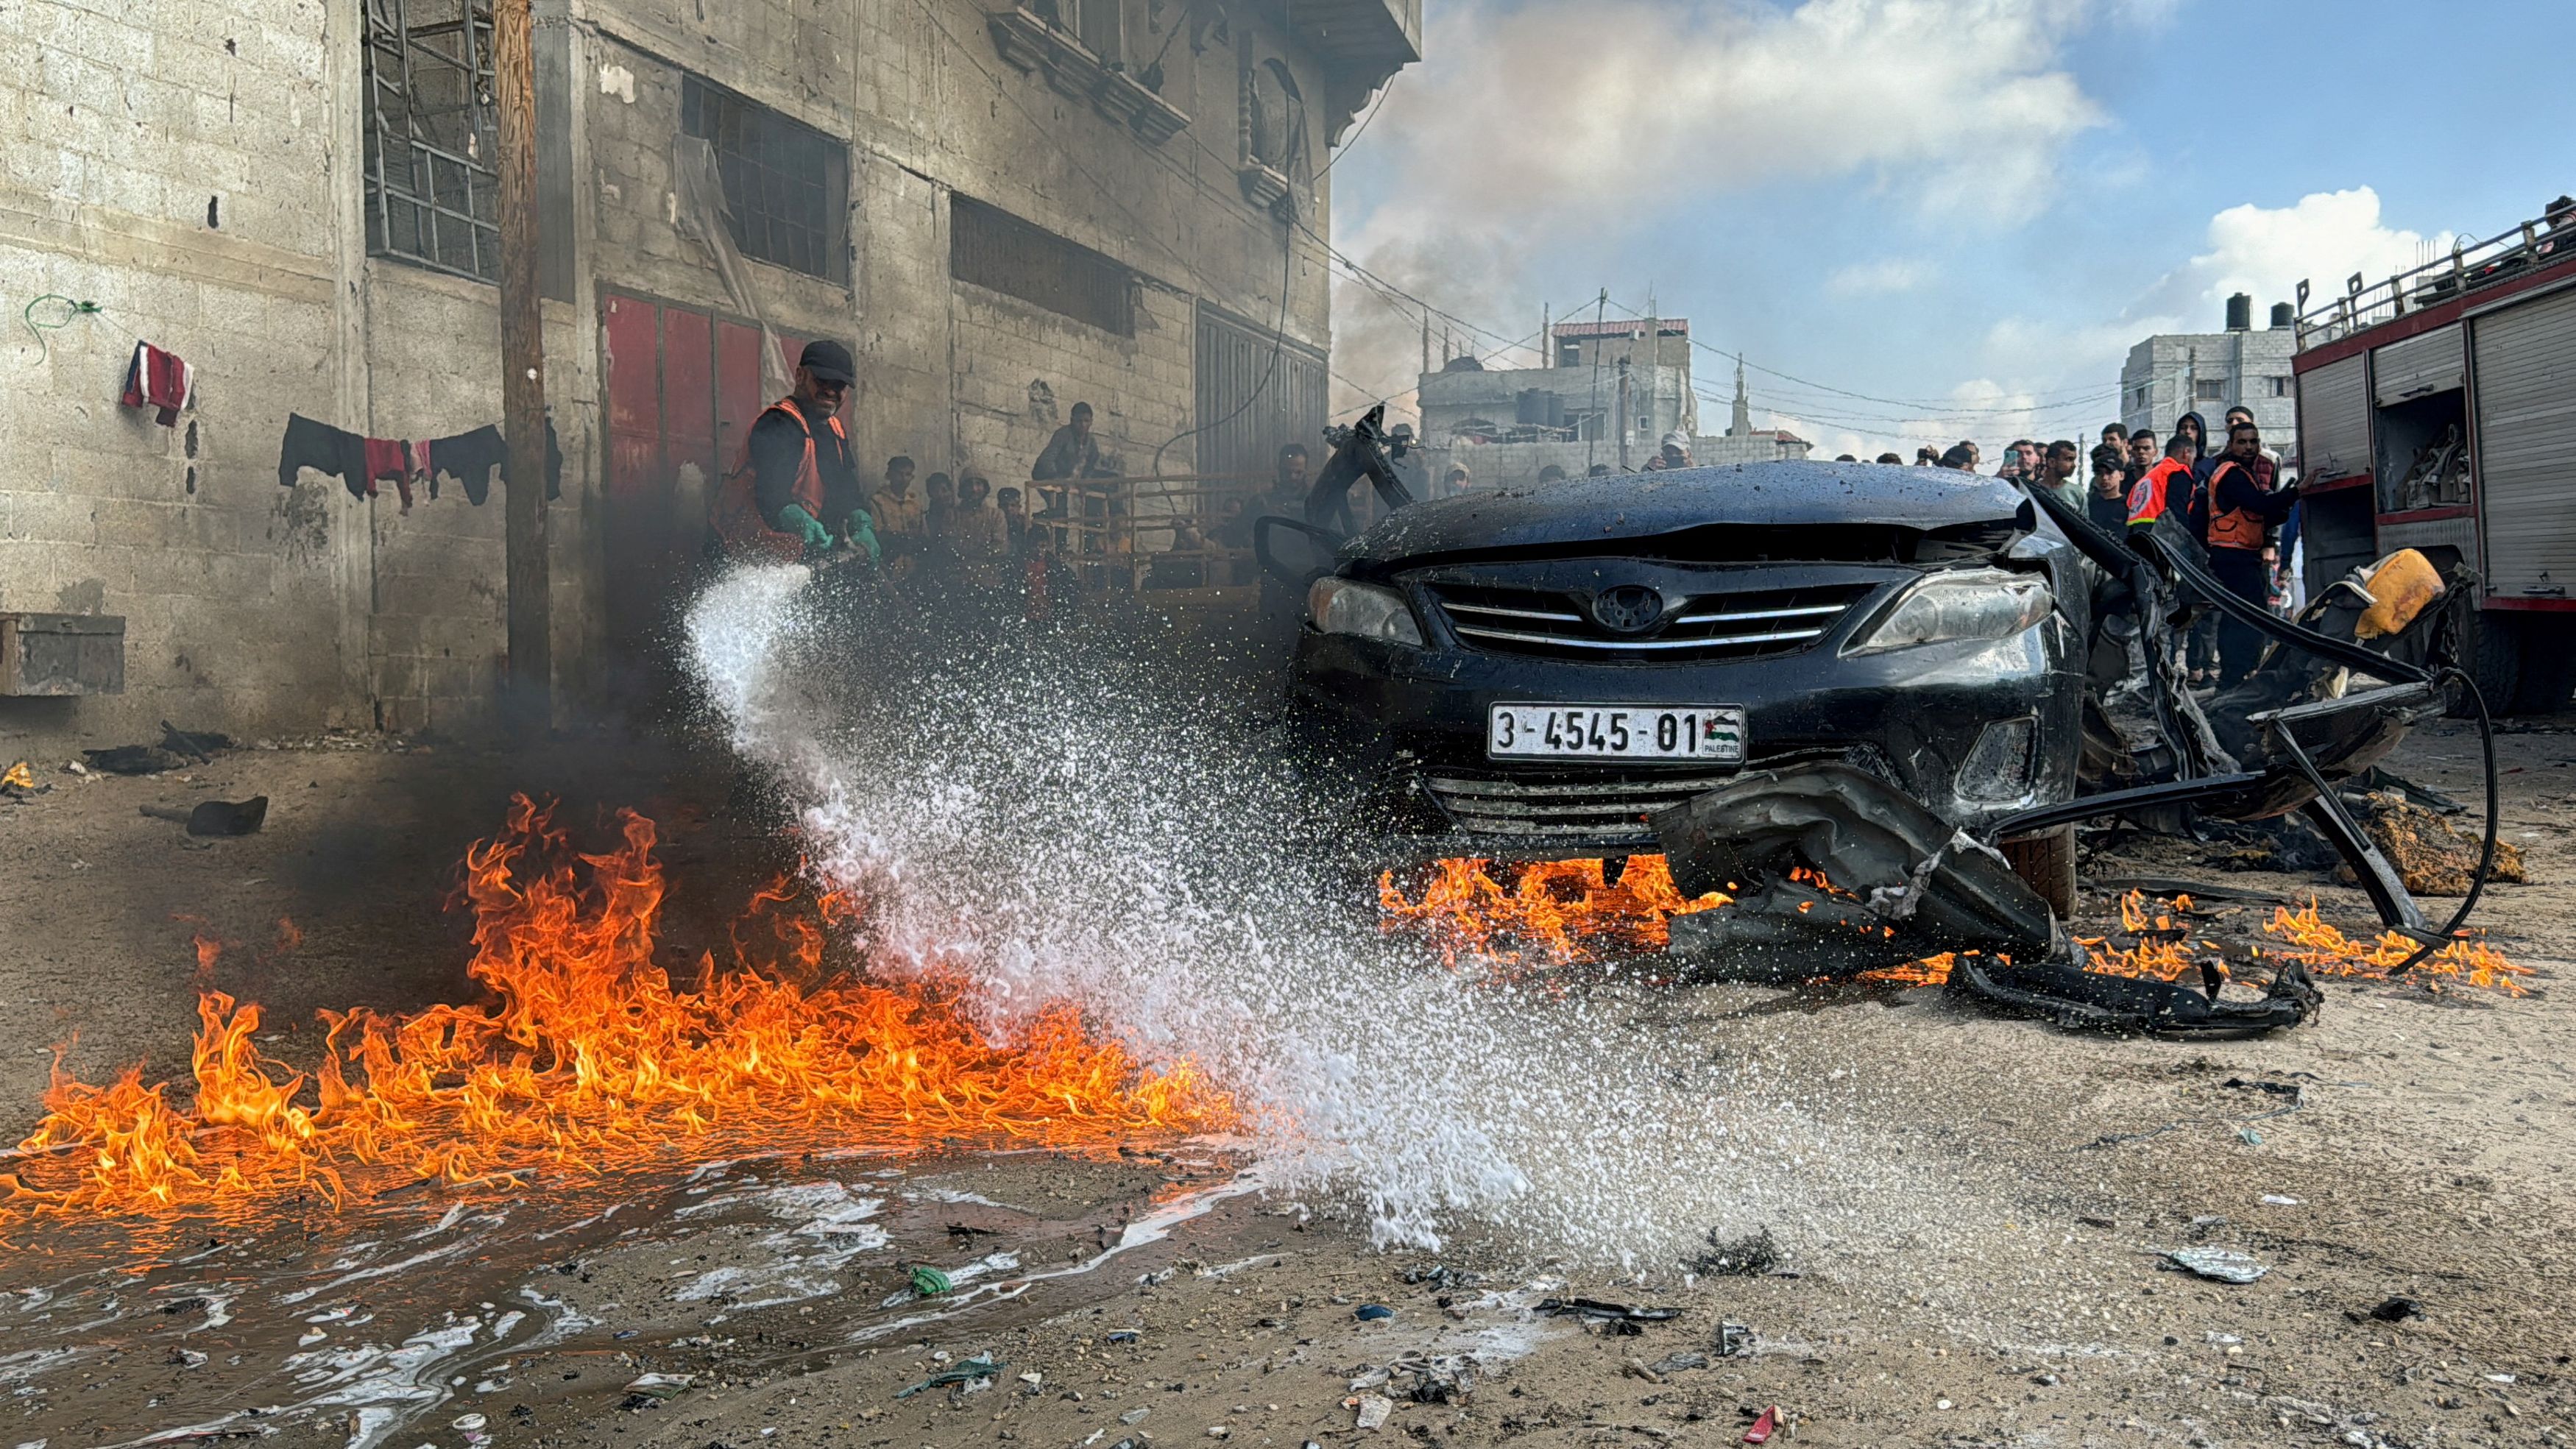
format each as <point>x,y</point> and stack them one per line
<point>2437,408</point>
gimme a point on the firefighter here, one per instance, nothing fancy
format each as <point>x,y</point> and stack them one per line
<point>2240,511</point>
<point>794,490</point>
<point>2167,485</point>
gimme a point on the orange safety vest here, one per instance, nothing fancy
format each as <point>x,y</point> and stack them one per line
<point>2237,527</point>
<point>2147,497</point>
<point>735,515</point>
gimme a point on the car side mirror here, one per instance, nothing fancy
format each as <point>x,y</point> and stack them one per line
<point>1293,551</point>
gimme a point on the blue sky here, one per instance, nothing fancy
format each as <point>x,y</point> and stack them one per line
<point>1967,207</point>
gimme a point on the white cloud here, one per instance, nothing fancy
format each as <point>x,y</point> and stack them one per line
<point>1531,123</point>
<point>2324,236</point>
<point>1872,279</point>
<point>2262,251</point>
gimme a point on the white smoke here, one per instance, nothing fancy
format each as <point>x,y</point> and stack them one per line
<point>1563,130</point>
<point>1065,829</point>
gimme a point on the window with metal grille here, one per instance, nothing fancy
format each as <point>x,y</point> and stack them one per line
<point>1257,392</point>
<point>2209,389</point>
<point>786,185</point>
<point>432,190</point>
<point>992,248</point>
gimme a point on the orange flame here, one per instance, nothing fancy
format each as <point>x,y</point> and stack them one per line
<point>1567,912</point>
<point>588,1058</point>
<point>1564,910</point>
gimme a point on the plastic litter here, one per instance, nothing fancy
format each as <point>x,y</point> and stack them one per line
<point>1764,1426</point>
<point>1596,1308</point>
<point>1372,1312</point>
<point>929,1282</point>
<point>964,1371</point>
<point>2225,1265</point>
<point>1373,1411</point>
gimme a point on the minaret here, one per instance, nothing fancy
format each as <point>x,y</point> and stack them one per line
<point>1742,426</point>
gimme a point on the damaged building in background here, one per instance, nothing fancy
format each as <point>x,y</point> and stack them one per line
<point>1605,393</point>
<point>1004,211</point>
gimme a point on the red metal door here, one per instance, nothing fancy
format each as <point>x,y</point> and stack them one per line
<point>738,399</point>
<point>688,429</point>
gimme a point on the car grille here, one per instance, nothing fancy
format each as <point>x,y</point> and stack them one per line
<point>1599,809</point>
<point>1746,625</point>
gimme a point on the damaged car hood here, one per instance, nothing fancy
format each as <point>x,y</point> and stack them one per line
<point>1627,507</point>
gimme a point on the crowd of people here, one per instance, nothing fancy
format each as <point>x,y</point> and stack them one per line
<point>2229,494</point>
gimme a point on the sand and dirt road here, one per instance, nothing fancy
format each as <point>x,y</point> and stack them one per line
<point>1970,1209</point>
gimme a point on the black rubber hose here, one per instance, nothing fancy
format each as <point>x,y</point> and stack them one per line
<point>2486,856</point>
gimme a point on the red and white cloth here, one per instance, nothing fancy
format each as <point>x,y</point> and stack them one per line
<point>161,380</point>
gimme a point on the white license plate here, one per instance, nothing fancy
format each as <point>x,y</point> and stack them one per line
<point>1708,732</point>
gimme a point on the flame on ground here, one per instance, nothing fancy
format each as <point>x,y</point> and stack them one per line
<point>1491,916</point>
<point>588,1059</point>
<point>1557,911</point>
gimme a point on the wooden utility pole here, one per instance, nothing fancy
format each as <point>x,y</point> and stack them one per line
<point>529,699</point>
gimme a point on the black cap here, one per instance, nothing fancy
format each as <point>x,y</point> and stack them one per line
<point>829,362</point>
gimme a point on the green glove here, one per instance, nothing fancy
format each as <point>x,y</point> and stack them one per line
<point>860,532</point>
<point>794,519</point>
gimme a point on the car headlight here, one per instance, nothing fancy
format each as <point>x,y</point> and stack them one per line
<point>1968,604</point>
<point>1340,606</point>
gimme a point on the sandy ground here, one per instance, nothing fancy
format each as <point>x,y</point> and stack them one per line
<point>2429,1157</point>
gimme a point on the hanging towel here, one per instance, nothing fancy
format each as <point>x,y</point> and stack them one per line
<point>160,380</point>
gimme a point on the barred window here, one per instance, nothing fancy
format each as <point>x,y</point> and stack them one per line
<point>432,185</point>
<point>786,185</point>
<point>992,248</point>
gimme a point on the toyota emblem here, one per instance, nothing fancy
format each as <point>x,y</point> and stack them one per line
<point>1628,609</point>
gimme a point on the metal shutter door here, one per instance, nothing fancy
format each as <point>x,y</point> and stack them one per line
<point>2418,367</point>
<point>2526,446</point>
<point>2334,421</point>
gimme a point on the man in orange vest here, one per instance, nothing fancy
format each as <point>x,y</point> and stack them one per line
<point>794,490</point>
<point>2240,511</point>
<point>2166,485</point>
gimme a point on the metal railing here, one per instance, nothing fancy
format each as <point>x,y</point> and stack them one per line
<point>2468,266</point>
<point>1165,536</point>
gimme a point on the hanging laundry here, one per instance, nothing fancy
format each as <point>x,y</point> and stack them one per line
<point>324,449</point>
<point>469,458</point>
<point>390,458</point>
<point>360,461</point>
<point>161,380</point>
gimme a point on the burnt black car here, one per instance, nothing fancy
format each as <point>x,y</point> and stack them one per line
<point>1530,672</point>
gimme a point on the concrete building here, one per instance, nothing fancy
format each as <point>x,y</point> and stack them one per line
<point>1612,392</point>
<point>2173,373</point>
<point>1004,211</point>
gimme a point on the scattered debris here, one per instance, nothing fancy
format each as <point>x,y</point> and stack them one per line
<point>2225,1265</point>
<point>199,746</point>
<point>1733,1339</point>
<point>133,760</point>
<point>1749,1256</point>
<point>2274,1199</point>
<point>1440,1275</point>
<point>1596,1308</point>
<point>965,1371</point>
<point>1124,1335</point>
<point>1372,1312</point>
<point>1763,1426</point>
<point>2433,856</point>
<point>1635,1368</point>
<point>659,1386</point>
<point>215,817</point>
<point>1673,1363</point>
<point>929,1282</point>
<point>1373,1411</point>
<point>18,777</point>
<point>2394,1310</point>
